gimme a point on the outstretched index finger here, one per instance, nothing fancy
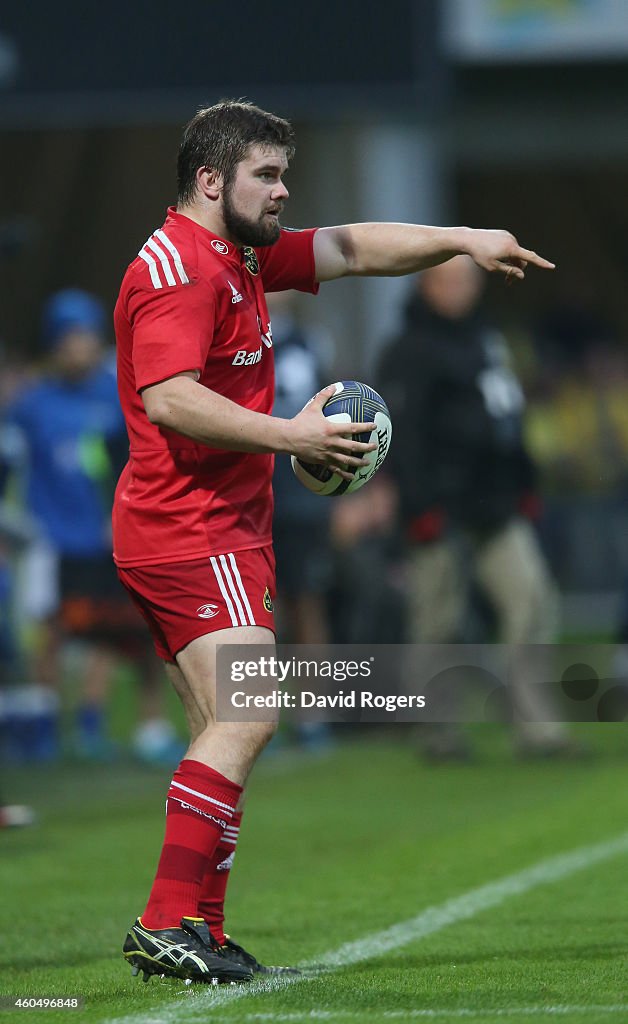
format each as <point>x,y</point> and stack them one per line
<point>532,257</point>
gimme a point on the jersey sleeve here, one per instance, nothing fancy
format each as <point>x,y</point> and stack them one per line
<point>172,329</point>
<point>290,262</point>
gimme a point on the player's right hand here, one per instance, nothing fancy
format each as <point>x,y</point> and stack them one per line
<point>314,438</point>
<point>499,252</point>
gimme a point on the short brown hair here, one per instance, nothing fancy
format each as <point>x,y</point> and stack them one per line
<point>221,136</point>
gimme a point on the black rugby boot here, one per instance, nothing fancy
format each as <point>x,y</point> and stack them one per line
<point>187,952</point>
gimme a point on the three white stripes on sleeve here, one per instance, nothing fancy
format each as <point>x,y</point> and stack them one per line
<point>167,260</point>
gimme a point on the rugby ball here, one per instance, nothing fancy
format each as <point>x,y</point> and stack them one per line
<point>352,403</point>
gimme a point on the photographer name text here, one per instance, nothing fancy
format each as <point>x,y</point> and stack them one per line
<point>309,699</point>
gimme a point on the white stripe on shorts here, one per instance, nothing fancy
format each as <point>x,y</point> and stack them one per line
<point>234,593</point>
<point>223,591</point>
<point>237,590</point>
<point>236,573</point>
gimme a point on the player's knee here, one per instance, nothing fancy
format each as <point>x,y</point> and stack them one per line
<point>252,737</point>
<point>264,732</point>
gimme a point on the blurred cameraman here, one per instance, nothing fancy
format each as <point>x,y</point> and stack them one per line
<point>466,490</point>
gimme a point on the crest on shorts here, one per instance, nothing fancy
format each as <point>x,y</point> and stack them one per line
<point>250,260</point>
<point>268,601</point>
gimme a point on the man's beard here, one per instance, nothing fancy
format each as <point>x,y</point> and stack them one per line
<point>248,232</point>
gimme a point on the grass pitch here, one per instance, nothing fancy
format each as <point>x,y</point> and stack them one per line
<point>335,849</point>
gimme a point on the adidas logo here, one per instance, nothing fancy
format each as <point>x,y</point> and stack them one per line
<point>207,611</point>
<point>227,863</point>
<point>235,294</point>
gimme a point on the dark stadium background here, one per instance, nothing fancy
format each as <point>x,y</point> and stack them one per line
<point>394,121</point>
<point>92,99</point>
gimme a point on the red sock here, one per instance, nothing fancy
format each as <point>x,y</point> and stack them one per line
<point>211,904</point>
<point>200,805</point>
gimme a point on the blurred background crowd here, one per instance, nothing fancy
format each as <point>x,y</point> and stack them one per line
<point>501,513</point>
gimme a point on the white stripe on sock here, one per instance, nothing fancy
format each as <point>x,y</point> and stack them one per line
<point>202,796</point>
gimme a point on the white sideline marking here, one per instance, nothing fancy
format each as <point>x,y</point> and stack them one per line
<point>513,1011</point>
<point>198,1005</point>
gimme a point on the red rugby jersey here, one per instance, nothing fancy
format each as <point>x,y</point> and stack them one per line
<point>191,301</point>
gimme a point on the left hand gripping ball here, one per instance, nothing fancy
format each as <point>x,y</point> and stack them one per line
<point>352,403</point>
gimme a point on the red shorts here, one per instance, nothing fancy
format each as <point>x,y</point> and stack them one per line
<point>184,600</point>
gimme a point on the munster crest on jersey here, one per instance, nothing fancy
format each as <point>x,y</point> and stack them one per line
<point>250,260</point>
